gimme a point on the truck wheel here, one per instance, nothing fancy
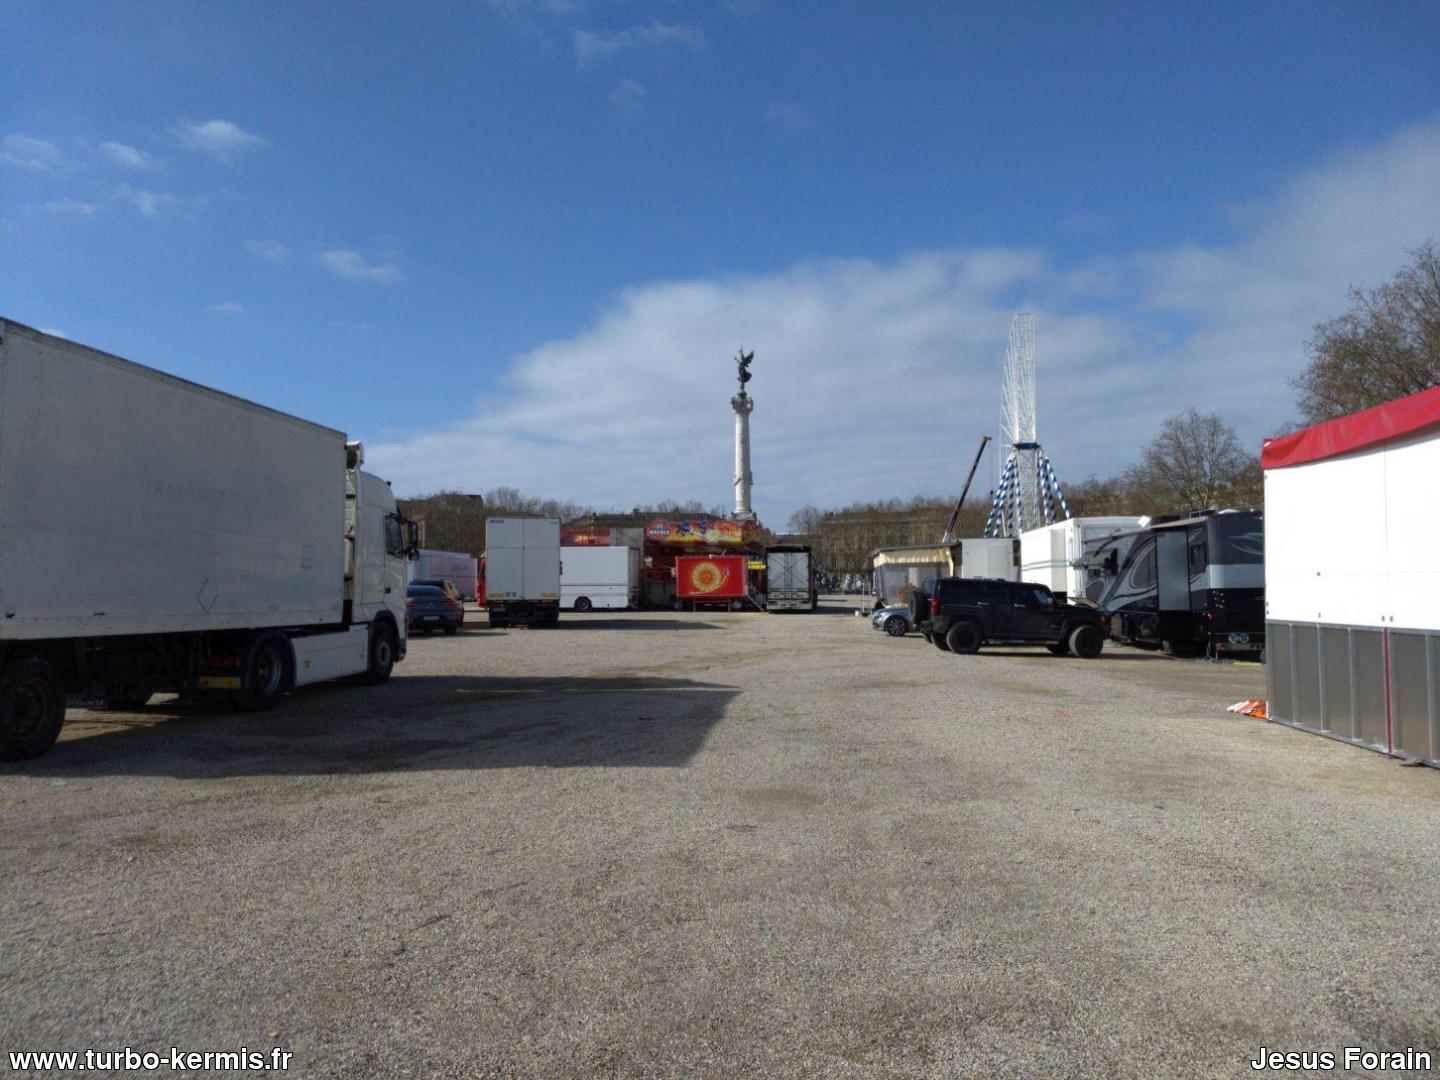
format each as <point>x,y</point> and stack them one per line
<point>265,677</point>
<point>32,708</point>
<point>938,640</point>
<point>382,654</point>
<point>964,638</point>
<point>582,603</point>
<point>1086,642</point>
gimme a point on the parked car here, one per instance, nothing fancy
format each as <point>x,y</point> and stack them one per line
<point>895,620</point>
<point>447,586</point>
<point>965,613</point>
<point>429,608</point>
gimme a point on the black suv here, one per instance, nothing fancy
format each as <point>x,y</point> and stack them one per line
<point>961,614</point>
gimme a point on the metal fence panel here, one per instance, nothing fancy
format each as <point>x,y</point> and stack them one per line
<point>1309,709</point>
<point>1410,694</point>
<point>1279,670</point>
<point>1338,714</point>
<point>1368,676</point>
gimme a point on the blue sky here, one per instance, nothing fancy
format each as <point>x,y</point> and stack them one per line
<point>514,242</point>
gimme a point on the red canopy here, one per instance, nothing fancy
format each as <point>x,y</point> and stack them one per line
<point>1354,432</point>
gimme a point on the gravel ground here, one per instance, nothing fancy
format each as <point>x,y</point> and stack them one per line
<point>649,844</point>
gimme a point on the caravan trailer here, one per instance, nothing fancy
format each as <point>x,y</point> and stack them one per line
<point>1193,586</point>
<point>1055,555</point>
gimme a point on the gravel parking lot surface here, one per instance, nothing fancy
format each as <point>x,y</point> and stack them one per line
<point>655,844</point>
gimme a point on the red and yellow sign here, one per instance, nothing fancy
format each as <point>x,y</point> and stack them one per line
<point>701,531</point>
<point>710,577</point>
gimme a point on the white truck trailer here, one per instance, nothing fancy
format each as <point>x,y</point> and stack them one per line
<point>522,571</point>
<point>160,536</point>
<point>1054,556</point>
<point>789,578</point>
<point>461,570</point>
<point>593,576</point>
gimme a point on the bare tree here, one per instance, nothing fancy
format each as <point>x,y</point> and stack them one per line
<point>1194,462</point>
<point>1385,347</point>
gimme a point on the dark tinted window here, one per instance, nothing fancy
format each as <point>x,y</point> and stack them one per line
<point>1236,538</point>
<point>966,591</point>
<point>425,592</point>
<point>1033,596</point>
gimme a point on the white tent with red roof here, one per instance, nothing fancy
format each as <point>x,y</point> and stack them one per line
<point>1352,577</point>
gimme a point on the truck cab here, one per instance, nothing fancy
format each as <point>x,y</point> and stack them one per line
<point>378,552</point>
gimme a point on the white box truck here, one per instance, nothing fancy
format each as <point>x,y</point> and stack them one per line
<point>789,578</point>
<point>984,557</point>
<point>522,571</point>
<point>1055,555</point>
<point>461,570</point>
<point>160,536</point>
<point>599,577</point>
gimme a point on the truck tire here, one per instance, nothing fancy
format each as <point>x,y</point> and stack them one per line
<point>382,654</point>
<point>582,603</point>
<point>938,640</point>
<point>1086,642</point>
<point>964,638</point>
<point>266,674</point>
<point>32,708</point>
<point>1058,648</point>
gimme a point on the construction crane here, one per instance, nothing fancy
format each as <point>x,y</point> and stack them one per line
<point>949,536</point>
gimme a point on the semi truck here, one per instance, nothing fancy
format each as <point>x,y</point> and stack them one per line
<point>522,571</point>
<point>461,570</point>
<point>789,578</point>
<point>161,536</point>
<point>593,576</point>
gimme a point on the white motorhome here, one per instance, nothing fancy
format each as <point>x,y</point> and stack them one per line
<point>161,536</point>
<point>593,576</point>
<point>1055,555</point>
<point>522,571</point>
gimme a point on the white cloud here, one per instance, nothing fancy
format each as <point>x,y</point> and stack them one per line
<point>221,138</point>
<point>353,265</point>
<point>627,94</point>
<point>860,365</point>
<point>70,206</point>
<point>149,203</point>
<point>127,157</point>
<point>227,307</point>
<point>596,45</point>
<point>789,117</point>
<point>269,250</point>
<point>522,8</point>
<point>28,153</point>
